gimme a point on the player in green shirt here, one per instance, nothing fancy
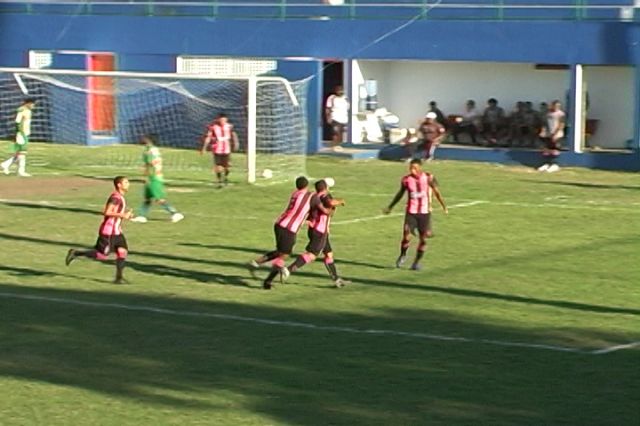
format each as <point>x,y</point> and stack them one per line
<point>23,131</point>
<point>154,185</point>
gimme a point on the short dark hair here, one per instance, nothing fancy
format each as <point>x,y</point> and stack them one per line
<point>118,180</point>
<point>222,115</point>
<point>433,103</point>
<point>321,185</point>
<point>153,138</point>
<point>29,101</point>
<point>416,161</point>
<point>302,182</point>
<point>493,101</point>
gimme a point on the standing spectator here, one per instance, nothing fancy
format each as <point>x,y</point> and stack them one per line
<point>468,122</point>
<point>221,136</point>
<point>432,134</point>
<point>551,133</point>
<point>337,114</point>
<point>440,118</point>
<point>493,122</point>
<point>23,131</point>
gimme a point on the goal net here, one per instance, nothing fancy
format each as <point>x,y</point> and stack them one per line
<point>269,115</point>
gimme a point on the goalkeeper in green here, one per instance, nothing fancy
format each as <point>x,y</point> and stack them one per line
<point>154,185</point>
<point>23,131</point>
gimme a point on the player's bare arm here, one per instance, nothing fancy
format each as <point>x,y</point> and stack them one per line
<point>395,200</point>
<point>234,139</point>
<point>439,197</point>
<point>205,142</point>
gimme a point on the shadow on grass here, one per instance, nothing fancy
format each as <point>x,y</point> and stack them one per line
<point>218,362</point>
<point>590,185</point>
<point>160,270</point>
<point>43,206</point>
<point>258,252</point>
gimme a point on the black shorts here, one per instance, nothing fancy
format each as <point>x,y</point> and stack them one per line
<point>318,242</point>
<point>418,222</point>
<point>221,160</point>
<point>285,239</point>
<point>107,244</point>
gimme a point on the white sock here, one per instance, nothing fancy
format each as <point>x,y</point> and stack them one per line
<point>8,162</point>
<point>22,164</point>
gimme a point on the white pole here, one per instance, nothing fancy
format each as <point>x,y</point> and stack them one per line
<point>578,110</point>
<point>251,130</point>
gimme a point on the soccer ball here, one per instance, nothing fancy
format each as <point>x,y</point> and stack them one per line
<point>267,173</point>
<point>330,182</point>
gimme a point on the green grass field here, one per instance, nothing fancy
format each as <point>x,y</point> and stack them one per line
<point>527,311</point>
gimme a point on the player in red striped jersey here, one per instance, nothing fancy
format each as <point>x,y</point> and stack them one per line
<point>322,207</point>
<point>110,236</point>
<point>286,228</point>
<point>223,140</point>
<point>420,187</point>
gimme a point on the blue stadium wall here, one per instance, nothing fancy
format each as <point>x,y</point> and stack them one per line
<point>151,43</point>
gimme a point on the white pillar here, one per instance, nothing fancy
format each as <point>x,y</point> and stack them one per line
<point>577,120</point>
<point>251,129</point>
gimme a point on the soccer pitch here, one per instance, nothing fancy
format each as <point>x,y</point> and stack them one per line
<point>527,311</point>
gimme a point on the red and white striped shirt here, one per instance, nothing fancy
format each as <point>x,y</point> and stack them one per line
<point>419,189</point>
<point>318,220</point>
<point>113,225</point>
<point>296,211</point>
<point>220,136</point>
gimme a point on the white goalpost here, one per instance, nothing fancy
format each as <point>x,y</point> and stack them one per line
<point>115,107</point>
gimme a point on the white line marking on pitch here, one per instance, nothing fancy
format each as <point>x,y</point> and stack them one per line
<point>382,216</point>
<point>310,326</point>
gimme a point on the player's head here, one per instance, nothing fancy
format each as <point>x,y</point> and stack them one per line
<point>148,140</point>
<point>29,102</point>
<point>415,166</point>
<point>302,182</point>
<point>121,184</point>
<point>321,185</point>
<point>222,118</point>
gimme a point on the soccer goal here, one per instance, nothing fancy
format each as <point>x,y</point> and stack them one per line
<point>269,114</point>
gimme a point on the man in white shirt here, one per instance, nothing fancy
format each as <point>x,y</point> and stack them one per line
<point>468,122</point>
<point>552,132</point>
<point>337,113</point>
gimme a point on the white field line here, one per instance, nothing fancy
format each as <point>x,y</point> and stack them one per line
<point>615,348</point>
<point>382,216</point>
<point>311,326</point>
<point>98,208</point>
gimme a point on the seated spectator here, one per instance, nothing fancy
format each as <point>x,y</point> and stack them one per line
<point>530,119</point>
<point>440,118</point>
<point>432,134</point>
<point>523,123</point>
<point>493,122</point>
<point>468,122</point>
<point>552,132</point>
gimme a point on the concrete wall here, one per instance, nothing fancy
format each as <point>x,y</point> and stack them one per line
<point>406,87</point>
